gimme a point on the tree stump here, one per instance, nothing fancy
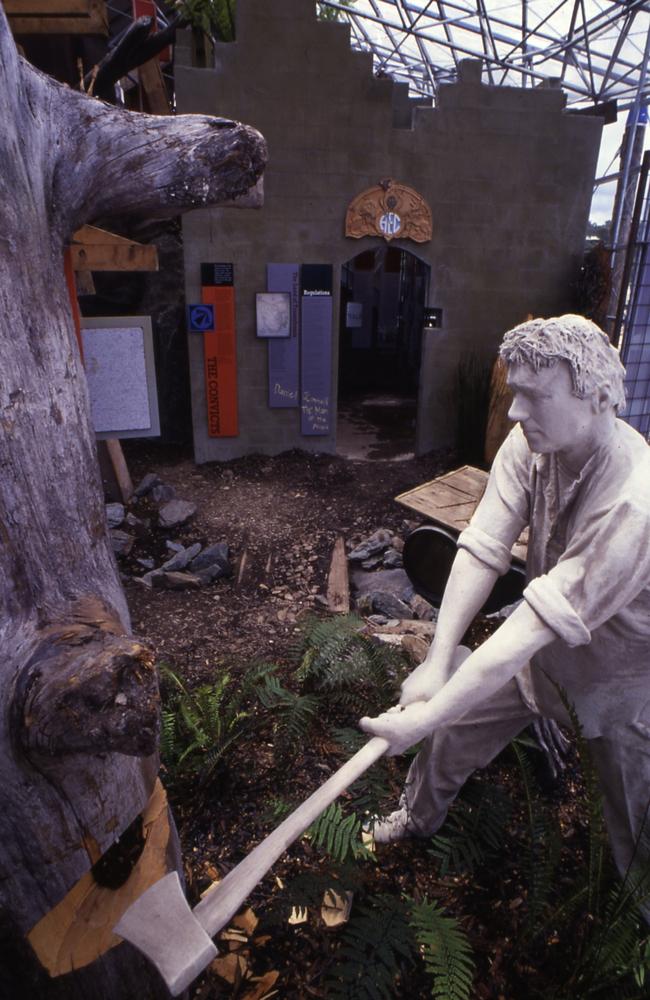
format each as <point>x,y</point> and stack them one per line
<point>78,693</point>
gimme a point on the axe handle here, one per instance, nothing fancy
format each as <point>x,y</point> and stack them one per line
<point>222,901</point>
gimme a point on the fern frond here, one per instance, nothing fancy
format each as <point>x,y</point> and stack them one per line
<point>447,952</point>
<point>339,835</point>
<point>376,944</point>
<point>473,831</point>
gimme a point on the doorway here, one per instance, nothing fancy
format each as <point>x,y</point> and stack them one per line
<point>383,298</point>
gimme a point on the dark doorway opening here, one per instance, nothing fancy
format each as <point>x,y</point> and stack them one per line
<point>383,297</point>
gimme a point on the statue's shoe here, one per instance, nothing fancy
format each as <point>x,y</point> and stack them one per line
<point>395,826</point>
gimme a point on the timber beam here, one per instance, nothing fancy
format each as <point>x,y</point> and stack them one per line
<point>57,17</point>
<point>94,249</point>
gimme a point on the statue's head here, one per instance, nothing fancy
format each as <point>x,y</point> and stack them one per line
<point>567,385</point>
<point>593,362</point>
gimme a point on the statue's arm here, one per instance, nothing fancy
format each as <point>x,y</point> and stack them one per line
<point>479,677</point>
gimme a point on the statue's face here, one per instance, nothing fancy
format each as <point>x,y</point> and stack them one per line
<point>551,416</point>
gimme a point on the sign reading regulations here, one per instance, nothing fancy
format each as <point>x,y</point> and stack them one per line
<point>220,350</point>
<point>316,352</point>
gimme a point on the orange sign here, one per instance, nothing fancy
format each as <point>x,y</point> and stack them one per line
<point>220,358</point>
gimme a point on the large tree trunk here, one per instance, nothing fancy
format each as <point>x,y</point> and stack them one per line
<point>78,694</point>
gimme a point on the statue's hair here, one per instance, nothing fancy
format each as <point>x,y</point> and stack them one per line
<point>593,362</point>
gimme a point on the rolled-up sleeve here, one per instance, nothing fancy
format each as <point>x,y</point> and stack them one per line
<point>605,566</point>
<point>504,508</point>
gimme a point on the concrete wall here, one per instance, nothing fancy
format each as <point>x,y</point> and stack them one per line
<point>507,172</point>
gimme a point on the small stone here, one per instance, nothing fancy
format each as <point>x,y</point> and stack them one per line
<point>180,559</point>
<point>174,546</point>
<point>146,563</point>
<point>147,484</point>
<point>217,553</point>
<point>378,619</point>
<point>373,562</point>
<point>122,542</point>
<point>212,573</point>
<point>114,514</point>
<point>392,559</point>
<point>177,581</point>
<point>377,542</point>
<point>120,698</point>
<point>176,512</point>
<point>423,610</point>
<point>384,603</point>
<point>162,492</point>
<point>147,580</point>
<point>416,648</point>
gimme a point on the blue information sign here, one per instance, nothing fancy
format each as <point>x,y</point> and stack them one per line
<point>200,318</point>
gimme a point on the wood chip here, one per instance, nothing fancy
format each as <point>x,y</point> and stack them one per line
<point>262,987</point>
<point>336,908</point>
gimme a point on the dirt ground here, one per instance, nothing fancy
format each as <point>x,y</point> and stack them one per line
<point>284,514</point>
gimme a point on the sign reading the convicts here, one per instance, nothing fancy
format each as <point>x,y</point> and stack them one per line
<point>316,350</point>
<point>220,359</point>
<point>284,352</point>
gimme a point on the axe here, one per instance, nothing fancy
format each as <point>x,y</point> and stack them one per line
<point>177,939</point>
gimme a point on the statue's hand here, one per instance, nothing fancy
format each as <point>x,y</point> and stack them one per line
<point>421,685</point>
<point>401,726</point>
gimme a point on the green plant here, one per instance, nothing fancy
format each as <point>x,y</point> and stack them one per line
<point>326,13</point>
<point>369,793</point>
<point>293,715</point>
<point>376,944</point>
<point>201,725</point>
<point>355,673</point>
<point>474,829</point>
<point>447,952</point>
<point>215,17</point>
<point>339,835</point>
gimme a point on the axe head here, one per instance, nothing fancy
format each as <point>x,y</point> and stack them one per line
<point>161,925</point>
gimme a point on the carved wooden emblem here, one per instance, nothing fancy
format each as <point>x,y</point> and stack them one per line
<point>390,210</point>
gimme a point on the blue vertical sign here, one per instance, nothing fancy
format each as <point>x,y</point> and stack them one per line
<point>316,349</point>
<point>284,370</point>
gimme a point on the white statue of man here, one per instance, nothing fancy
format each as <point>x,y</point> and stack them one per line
<point>580,479</point>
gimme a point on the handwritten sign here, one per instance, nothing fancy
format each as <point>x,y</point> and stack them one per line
<point>284,353</point>
<point>316,353</point>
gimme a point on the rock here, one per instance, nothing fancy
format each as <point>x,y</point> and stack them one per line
<point>146,563</point>
<point>115,514</point>
<point>212,573</point>
<point>378,619</point>
<point>385,603</point>
<point>392,559</point>
<point>176,512</point>
<point>174,546</point>
<point>398,544</point>
<point>176,581</point>
<point>424,611</point>
<point>377,542</point>
<point>122,542</point>
<point>147,580</point>
<point>416,647</point>
<point>180,559</point>
<point>213,554</point>
<point>372,563</point>
<point>162,492</point>
<point>147,484</point>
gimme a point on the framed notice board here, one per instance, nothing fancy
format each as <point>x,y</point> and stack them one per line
<point>121,375</point>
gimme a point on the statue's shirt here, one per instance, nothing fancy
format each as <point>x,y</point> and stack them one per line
<point>588,571</point>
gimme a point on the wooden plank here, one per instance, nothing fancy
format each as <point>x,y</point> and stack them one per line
<point>120,468</point>
<point>451,499</point>
<point>95,23</point>
<point>338,581</point>
<point>95,249</point>
<point>46,8</point>
<point>153,87</point>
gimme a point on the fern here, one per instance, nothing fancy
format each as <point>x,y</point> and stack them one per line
<point>543,848</point>
<point>335,659</point>
<point>447,952</point>
<point>293,715</point>
<point>474,829</point>
<point>376,944</point>
<point>339,835</point>
<point>369,793</point>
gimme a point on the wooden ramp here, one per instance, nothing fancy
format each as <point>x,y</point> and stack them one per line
<point>450,501</point>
